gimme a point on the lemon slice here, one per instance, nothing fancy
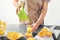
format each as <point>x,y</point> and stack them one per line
<point>0,22</point>
<point>31,38</point>
<point>14,35</point>
<point>41,34</point>
<point>45,32</point>
<point>49,34</point>
<point>1,32</point>
<point>2,25</point>
<point>28,35</point>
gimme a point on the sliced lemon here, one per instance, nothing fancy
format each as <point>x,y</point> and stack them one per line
<point>14,35</point>
<point>31,38</point>
<point>1,32</point>
<point>28,35</point>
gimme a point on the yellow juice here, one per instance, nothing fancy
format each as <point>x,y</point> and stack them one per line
<point>29,29</point>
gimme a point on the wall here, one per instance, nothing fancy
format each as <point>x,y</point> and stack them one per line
<point>53,14</point>
<point>7,12</point>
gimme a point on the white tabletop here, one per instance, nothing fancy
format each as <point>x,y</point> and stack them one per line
<point>22,29</point>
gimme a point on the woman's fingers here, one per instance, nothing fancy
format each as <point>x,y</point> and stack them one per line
<point>17,11</point>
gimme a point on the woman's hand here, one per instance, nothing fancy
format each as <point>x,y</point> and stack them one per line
<point>18,8</point>
<point>34,27</point>
<point>41,17</point>
<point>17,5</point>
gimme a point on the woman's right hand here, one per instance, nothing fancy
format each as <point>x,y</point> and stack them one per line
<point>17,5</point>
<point>18,8</point>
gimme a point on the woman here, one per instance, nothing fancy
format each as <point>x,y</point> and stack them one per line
<point>36,11</point>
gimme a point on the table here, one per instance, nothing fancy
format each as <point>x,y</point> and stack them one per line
<point>22,29</point>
